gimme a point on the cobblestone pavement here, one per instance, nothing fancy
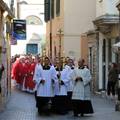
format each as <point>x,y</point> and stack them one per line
<point>22,107</point>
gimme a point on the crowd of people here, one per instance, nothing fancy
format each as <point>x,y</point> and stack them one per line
<point>59,87</point>
<point>22,72</point>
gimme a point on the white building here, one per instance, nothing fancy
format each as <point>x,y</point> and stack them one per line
<point>33,12</point>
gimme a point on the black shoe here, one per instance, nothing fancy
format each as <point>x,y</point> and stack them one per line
<point>82,115</point>
<point>63,113</point>
<point>75,115</point>
<point>38,110</point>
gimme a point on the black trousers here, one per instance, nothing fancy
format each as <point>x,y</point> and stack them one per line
<point>43,104</point>
<point>69,100</point>
<point>111,88</point>
<point>59,104</point>
<point>82,106</point>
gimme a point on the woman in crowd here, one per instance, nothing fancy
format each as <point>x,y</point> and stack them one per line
<point>112,80</point>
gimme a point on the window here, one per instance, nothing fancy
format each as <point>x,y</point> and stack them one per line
<point>32,49</point>
<point>57,8</point>
<point>34,20</point>
<point>52,8</point>
<point>47,10</point>
<point>100,1</point>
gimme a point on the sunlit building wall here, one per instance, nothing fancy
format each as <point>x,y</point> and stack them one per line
<point>74,20</point>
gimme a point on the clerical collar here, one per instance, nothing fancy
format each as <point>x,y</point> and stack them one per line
<point>46,67</point>
<point>59,69</point>
<point>81,67</point>
<point>72,67</point>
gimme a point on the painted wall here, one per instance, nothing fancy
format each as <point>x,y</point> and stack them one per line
<point>78,17</point>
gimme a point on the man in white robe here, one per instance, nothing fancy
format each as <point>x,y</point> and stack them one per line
<point>81,90</point>
<point>45,86</point>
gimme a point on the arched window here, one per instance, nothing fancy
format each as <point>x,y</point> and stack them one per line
<point>23,2</point>
<point>34,20</point>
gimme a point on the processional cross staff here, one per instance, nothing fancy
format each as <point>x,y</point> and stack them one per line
<point>60,35</point>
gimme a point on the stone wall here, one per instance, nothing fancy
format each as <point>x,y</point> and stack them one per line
<point>92,43</point>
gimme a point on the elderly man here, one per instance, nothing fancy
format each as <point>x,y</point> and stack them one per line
<point>81,89</point>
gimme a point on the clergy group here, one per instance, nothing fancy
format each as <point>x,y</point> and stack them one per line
<point>62,88</point>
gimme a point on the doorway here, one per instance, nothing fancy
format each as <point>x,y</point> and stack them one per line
<point>32,49</point>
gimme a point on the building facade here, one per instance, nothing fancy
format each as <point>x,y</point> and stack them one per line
<point>101,41</point>
<point>33,13</point>
<point>89,33</point>
<point>67,24</point>
<point>6,16</point>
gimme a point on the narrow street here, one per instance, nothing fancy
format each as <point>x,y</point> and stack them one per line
<point>22,107</point>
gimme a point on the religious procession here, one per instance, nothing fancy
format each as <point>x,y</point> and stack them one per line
<point>59,86</point>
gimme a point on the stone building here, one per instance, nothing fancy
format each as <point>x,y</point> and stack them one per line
<point>6,16</point>
<point>101,41</point>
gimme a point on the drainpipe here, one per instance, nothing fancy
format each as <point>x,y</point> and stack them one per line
<point>97,59</point>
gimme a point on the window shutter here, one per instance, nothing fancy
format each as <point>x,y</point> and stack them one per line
<point>52,8</point>
<point>47,10</point>
<point>57,8</point>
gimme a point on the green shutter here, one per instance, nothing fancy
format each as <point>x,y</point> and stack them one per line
<point>57,8</point>
<point>52,8</point>
<point>47,10</point>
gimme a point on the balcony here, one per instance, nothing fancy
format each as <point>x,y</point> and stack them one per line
<point>105,22</point>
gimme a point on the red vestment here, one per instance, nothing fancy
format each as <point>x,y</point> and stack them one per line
<point>31,83</point>
<point>17,72</point>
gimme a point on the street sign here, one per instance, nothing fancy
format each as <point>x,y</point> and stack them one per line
<point>19,29</point>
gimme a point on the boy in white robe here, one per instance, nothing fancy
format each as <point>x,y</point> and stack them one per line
<point>69,68</point>
<point>60,99</point>
<point>37,75</point>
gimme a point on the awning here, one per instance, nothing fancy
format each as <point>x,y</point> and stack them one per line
<point>116,47</point>
<point>116,44</point>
